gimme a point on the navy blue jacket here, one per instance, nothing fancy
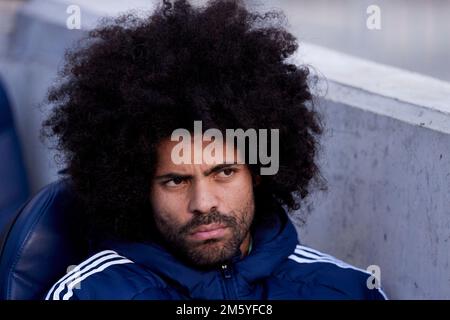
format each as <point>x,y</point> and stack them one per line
<point>278,267</point>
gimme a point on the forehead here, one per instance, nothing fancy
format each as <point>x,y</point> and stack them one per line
<point>222,153</point>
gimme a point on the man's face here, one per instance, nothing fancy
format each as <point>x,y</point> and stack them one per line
<point>204,211</point>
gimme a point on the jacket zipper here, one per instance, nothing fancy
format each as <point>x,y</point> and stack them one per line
<point>227,279</point>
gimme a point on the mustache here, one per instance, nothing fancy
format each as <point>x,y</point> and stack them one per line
<point>205,219</point>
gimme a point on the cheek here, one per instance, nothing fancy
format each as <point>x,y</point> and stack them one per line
<point>239,195</point>
<point>166,207</point>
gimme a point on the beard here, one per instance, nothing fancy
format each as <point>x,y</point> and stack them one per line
<point>210,252</point>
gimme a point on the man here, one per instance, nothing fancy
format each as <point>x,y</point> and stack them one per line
<point>162,228</point>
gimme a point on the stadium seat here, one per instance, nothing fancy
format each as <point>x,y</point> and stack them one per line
<point>41,242</point>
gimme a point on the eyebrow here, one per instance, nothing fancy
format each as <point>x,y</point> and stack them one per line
<point>173,175</point>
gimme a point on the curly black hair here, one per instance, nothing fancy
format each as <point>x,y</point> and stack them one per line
<point>133,80</point>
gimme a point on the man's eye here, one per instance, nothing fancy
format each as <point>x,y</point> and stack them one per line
<point>225,173</point>
<point>174,182</point>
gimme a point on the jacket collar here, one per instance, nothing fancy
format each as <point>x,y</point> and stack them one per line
<point>274,239</point>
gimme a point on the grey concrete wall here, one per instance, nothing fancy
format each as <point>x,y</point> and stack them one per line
<point>387,201</point>
<point>386,156</point>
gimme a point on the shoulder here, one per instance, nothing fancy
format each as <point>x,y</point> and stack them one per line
<point>107,275</point>
<point>322,276</point>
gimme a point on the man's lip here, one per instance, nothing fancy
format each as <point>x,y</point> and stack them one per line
<point>208,232</point>
<point>209,227</point>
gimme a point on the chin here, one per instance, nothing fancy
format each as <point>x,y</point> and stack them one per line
<point>210,254</point>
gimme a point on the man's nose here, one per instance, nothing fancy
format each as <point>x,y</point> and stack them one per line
<point>203,198</point>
